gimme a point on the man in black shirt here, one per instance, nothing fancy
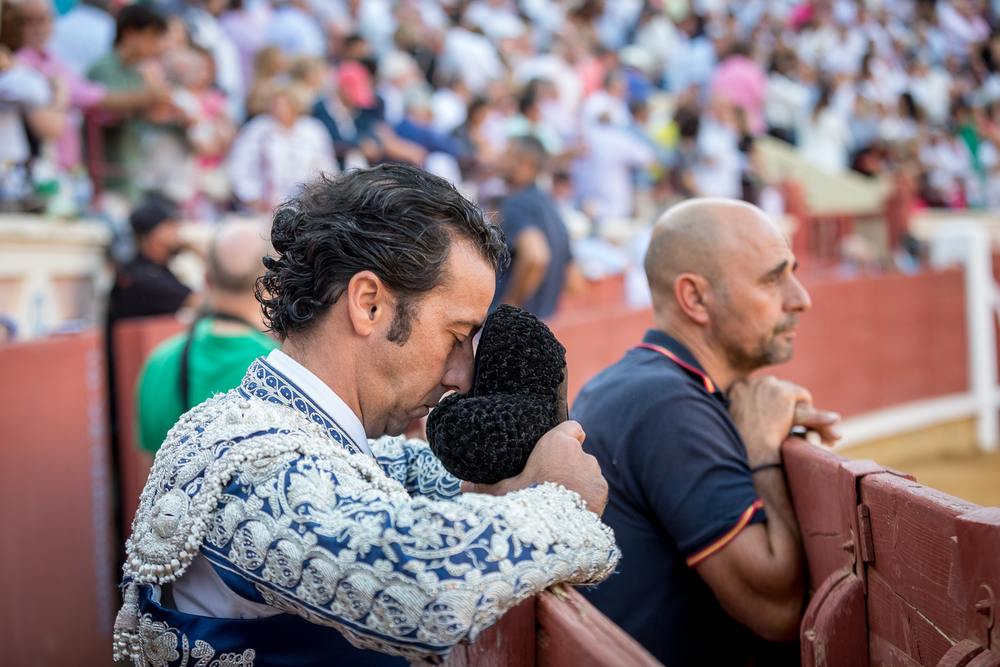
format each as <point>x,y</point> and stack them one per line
<point>691,448</point>
<point>145,286</point>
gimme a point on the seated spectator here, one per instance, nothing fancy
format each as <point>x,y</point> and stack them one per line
<point>295,30</point>
<point>536,236</point>
<point>608,100</point>
<point>744,84</point>
<point>213,356</point>
<point>8,329</point>
<point>718,173</point>
<point>687,157</point>
<point>787,97</point>
<point>269,63</point>
<point>276,151</point>
<point>603,174</point>
<point>26,100</point>
<point>201,18</point>
<point>309,75</point>
<point>824,138</point>
<point>352,115</point>
<point>417,126</point>
<point>529,122</point>
<point>208,135</point>
<point>450,105</point>
<point>691,447</point>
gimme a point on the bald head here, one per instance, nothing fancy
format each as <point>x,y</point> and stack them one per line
<point>235,256</point>
<point>699,236</point>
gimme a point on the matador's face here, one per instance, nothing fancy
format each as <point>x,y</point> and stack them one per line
<point>437,356</point>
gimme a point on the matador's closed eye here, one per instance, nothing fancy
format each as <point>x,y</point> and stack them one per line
<point>518,394</point>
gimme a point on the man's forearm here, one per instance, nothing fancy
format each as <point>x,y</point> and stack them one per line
<point>524,281</point>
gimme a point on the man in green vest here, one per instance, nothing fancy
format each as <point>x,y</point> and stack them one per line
<point>213,355</point>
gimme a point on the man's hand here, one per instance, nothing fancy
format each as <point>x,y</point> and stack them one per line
<point>764,410</point>
<point>559,458</point>
<point>817,420</point>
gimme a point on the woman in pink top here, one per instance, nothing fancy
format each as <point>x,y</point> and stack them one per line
<point>34,21</point>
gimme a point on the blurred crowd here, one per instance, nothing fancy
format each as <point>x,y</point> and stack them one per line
<point>225,105</point>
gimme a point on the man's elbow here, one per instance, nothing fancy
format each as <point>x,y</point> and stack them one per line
<point>781,621</point>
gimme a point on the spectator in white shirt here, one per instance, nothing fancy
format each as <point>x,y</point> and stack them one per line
<point>295,31</point>
<point>694,58</point>
<point>603,175</point>
<point>787,97</point>
<point>931,88</point>
<point>961,26</point>
<point>497,19</point>
<point>608,100</point>
<point>277,151</point>
<point>471,55</point>
<point>824,136</point>
<point>718,174</point>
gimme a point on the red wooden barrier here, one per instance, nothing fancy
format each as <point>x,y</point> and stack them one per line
<point>134,340</point>
<point>558,628</point>
<point>866,344</point>
<point>597,337</point>
<point>901,574</point>
<point>56,558</point>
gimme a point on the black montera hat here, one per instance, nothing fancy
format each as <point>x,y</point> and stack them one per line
<point>154,210</point>
<point>518,394</point>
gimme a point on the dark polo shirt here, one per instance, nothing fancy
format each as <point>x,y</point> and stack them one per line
<point>528,208</point>
<point>680,489</point>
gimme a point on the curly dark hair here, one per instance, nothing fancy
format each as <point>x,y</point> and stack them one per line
<point>397,221</point>
<point>487,434</point>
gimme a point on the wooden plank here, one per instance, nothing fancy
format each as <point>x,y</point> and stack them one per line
<point>884,654</point>
<point>813,475</point>
<point>134,339</point>
<point>961,654</point>
<point>834,628</point>
<point>57,570</point>
<point>573,633</point>
<point>897,628</point>
<point>510,642</point>
<point>989,659</point>
<point>915,598</point>
<point>978,534</point>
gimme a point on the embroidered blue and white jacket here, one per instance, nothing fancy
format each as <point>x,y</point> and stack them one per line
<point>384,553</point>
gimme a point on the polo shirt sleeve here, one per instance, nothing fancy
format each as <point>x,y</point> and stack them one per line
<point>515,217</point>
<point>690,465</point>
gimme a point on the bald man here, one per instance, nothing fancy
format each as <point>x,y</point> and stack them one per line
<point>691,447</point>
<point>213,355</point>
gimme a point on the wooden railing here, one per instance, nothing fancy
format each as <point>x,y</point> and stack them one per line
<point>134,340</point>
<point>899,574</point>
<point>557,628</point>
<point>57,545</point>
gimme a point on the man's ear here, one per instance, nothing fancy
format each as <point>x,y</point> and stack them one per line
<point>368,303</point>
<point>692,291</point>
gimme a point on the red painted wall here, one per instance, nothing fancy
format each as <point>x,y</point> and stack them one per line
<point>866,344</point>
<point>57,572</point>
<point>134,341</point>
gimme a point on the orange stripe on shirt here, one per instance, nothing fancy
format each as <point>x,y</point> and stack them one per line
<point>728,537</point>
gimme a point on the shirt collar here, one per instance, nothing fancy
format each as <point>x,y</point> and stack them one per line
<point>657,337</point>
<point>322,395</point>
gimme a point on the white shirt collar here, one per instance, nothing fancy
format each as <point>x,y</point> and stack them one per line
<point>323,396</point>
